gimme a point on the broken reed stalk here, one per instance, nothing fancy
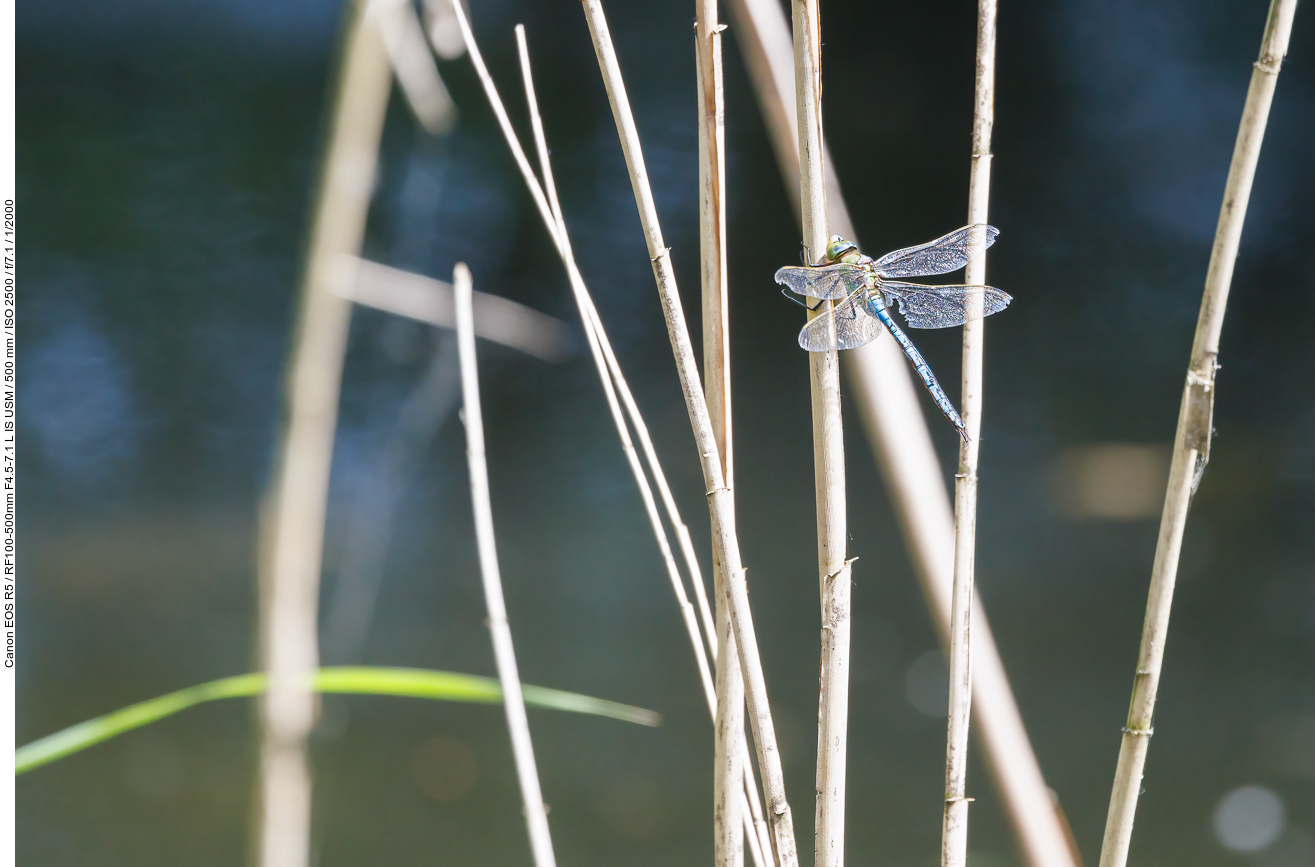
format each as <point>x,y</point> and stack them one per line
<point>1191,448</point>
<point>954,825</point>
<point>828,461</point>
<point>749,808</point>
<point>888,405</point>
<point>728,746</point>
<point>725,544</point>
<point>293,514</point>
<point>536,814</point>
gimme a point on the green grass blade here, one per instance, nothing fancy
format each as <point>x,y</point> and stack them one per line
<point>358,680</point>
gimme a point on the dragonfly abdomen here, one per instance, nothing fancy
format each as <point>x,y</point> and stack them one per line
<point>877,308</point>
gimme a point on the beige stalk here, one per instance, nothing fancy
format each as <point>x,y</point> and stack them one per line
<point>828,461</point>
<point>292,525</point>
<point>887,400</point>
<point>724,541</point>
<point>728,744</point>
<point>1191,448</point>
<point>954,825</point>
<point>614,384</point>
<point>504,653</point>
<point>413,64</point>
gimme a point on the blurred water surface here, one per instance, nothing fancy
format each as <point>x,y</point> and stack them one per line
<point>166,159</point>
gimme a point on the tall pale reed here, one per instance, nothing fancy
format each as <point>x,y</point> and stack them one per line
<point>614,386</point>
<point>954,823</point>
<point>728,744</point>
<point>887,402</point>
<point>1191,447</point>
<point>833,569</point>
<point>293,513</point>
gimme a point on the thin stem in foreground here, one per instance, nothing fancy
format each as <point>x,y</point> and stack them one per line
<point>954,825</point>
<point>724,541</point>
<point>536,815</point>
<point>1191,448</point>
<point>828,462</point>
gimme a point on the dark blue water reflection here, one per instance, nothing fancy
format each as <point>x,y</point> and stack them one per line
<point>166,155</point>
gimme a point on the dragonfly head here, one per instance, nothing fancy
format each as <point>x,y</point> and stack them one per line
<point>839,248</point>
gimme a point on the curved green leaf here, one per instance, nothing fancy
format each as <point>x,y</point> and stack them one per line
<point>359,680</point>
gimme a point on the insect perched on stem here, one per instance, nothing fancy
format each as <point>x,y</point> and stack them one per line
<point>867,288</point>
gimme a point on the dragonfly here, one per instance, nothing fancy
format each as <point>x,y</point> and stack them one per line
<point>866,289</point>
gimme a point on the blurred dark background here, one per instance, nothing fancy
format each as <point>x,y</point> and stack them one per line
<point>167,155</point>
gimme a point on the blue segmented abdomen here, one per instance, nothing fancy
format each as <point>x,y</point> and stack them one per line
<point>877,308</point>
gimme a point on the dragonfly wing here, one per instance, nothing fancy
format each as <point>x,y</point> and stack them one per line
<point>943,306</point>
<point>848,325</point>
<point>946,254</point>
<point>828,282</point>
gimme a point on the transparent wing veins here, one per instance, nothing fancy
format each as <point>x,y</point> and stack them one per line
<point>827,282</point>
<point>848,325</point>
<point>948,253</point>
<point>943,306</point>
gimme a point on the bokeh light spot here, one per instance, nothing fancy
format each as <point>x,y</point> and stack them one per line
<point>1249,818</point>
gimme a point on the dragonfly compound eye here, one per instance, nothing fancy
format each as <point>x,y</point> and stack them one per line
<point>839,248</point>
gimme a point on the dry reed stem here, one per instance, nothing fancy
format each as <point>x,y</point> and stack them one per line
<point>558,227</point>
<point>1191,447</point>
<point>550,210</point>
<point>828,461</point>
<point>562,242</point>
<point>888,405</point>
<point>417,75</point>
<point>536,815</point>
<point>724,541</point>
<point>592,325</point>
<point>424,299</point>
<point>751,809</point>
<point>954,825</point>
<point>728,751</point>
<point>292,526</point>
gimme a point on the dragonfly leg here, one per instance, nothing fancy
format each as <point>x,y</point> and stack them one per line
<point>924,371</point>
<point>788,294</point>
